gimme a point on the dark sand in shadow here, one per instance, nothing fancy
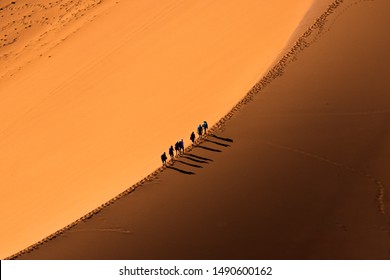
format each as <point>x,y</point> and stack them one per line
<point>306,178</point>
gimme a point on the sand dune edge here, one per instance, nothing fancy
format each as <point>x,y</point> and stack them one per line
<point>307,38</point>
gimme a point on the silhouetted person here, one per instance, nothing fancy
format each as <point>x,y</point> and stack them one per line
<point>192,138</point>
<point>177,147</point>
<point>181,146</point>
<point>171,152</point>
<point>164,159</point>
<point>205,127</point>
<point>200,131</point>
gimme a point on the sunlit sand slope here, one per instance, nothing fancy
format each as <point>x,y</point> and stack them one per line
<point>92,92</point>
<point>301,172</point>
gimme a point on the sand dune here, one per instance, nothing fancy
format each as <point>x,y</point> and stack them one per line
<point>31,28</point>
<point>93,91</point>
<point>296,170</point>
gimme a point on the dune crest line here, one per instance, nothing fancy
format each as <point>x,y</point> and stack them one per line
<point>308,37</point>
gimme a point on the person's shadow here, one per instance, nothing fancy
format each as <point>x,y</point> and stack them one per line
<point>221,138</point>
<point>181,170</point>
<point>198,159</point>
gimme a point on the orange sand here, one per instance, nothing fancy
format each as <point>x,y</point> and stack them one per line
<point>297,170</point>
<point>93,91</point>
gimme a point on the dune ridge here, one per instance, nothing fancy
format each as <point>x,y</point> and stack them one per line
<point>274,182</point>
<point>309,37</point>
<point>73,120</point>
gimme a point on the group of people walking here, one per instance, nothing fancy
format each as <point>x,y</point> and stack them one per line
<point>178,148</point>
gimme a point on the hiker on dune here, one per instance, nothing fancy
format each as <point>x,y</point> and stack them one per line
<point>164,159</point>
<point>205,126</point>
<point>192,138</point>
<point>177,147</point>
<point>200,131</point>
<point>181,146</point>
<point>171,152</point>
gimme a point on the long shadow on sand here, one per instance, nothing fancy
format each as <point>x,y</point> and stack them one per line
<point>218,143</point>
<point>181,171</point>
<point>209,149</point>
<point>221,138</point>
<point>194,159</point>
<point>189,164</point>
<point>198,157</point>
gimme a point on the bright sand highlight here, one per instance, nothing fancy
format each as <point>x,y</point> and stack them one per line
<point>91,95</point>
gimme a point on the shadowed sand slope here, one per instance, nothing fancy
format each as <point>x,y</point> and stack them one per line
<point>92,92</point>
<point>301,172</point>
